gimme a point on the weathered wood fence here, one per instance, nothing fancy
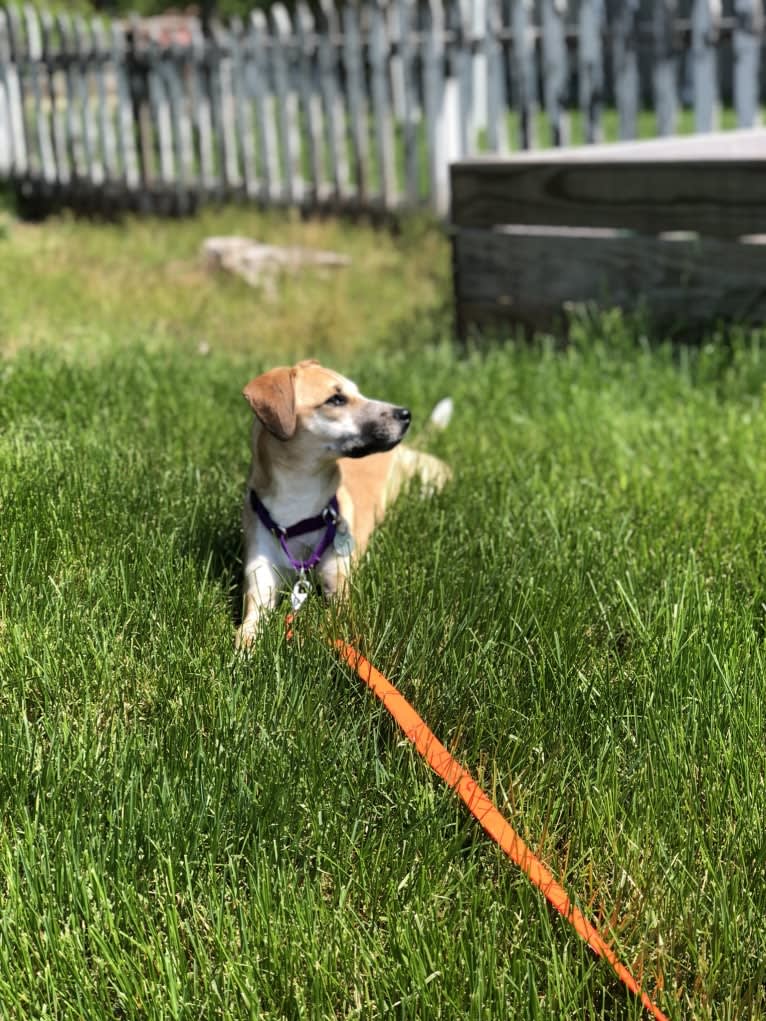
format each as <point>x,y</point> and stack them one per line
<point>363,105</point>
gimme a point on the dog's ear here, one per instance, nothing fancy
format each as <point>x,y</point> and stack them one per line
<point>272,398</point>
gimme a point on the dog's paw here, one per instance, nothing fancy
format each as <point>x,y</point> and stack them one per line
<point>246,635</point>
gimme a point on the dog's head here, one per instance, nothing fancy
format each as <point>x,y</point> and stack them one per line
<point>324,412</point>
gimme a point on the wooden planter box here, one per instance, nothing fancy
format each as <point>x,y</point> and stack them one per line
<point>674,227</point>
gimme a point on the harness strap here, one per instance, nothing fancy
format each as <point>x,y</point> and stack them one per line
<point>326,519</point>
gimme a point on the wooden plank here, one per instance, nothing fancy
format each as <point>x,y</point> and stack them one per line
<point>530,278</point>
<point>382,108</point>
<point>641,196</point>
<point>747,56</point>
<point>665,75</point>
<point>555,69</point>
<point>625,62</point>
<point>591,67</point>
<point>721,146</point>
<point>706,16</point>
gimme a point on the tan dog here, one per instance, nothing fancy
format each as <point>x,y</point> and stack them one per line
<point>325,467</point>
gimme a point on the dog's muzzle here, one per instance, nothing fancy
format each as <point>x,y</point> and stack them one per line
<point>380,431</point>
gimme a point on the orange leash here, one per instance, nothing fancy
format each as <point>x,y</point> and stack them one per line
<point>491,820</point>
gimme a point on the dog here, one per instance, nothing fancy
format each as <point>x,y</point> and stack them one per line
<point>326,463</point>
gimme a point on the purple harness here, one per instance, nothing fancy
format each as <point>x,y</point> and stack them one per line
<point>328,519</point>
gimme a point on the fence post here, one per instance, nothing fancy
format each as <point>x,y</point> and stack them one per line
<point>160,106</point>
<point>352,54</point>
<point>51,60</point>
<point>381,105</point>
<point>461,68</point>
<point>407,11</point>
<point>434,88</point>
<point>525,72</point>
<point>497,99</point>
<point>6,125</point>
<point>257,85</point>
<point>105,99</point>
<point>555,69</point>
<point>37,70</point>
<point>625,60</point>
<point>126,137</point>
<point>591,67</point>
<point>332,100</point>
<point>665,66</point>
<point>72,125</point>
<point>477,34</point>
<point>747,57</point>
<point>137,73</point>
<point>224,99</point>
<point>287,106</point>
<point>303,20</point>
<point>85,52</point>
<point>175,70</point>
<point>15,88</point>
<point>706,15</point>
<point>199,75</point>
<point>396,74</point>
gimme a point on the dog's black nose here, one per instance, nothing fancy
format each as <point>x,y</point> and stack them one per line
<point>402,415</point>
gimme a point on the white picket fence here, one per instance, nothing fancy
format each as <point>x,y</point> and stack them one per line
<point>360,106</point>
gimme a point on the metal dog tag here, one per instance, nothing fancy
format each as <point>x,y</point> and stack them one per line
<point>300,593</point>
<point>343,543</point>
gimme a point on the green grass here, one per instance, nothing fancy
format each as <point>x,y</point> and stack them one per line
<point>580,616</point>
<point>86,286</point>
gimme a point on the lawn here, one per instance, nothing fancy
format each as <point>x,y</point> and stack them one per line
<point>580,616</point>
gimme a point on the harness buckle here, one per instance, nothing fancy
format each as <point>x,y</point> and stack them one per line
<point>330,515</point>
<point>300,592</point>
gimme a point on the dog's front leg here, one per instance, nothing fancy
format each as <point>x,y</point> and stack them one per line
<point>261,592</point>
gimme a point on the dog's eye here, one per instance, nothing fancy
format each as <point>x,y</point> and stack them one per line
<point>337,400</point>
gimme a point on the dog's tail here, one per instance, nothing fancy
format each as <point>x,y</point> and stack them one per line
<point>438,420</point>
<point>441,415</point>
